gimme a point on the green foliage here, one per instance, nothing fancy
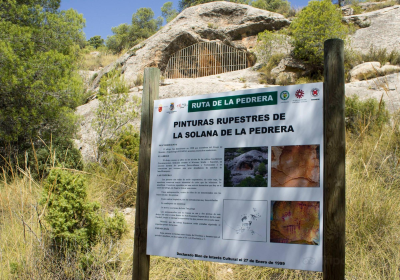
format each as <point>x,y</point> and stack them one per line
<point>39,87</point>
<point>369,115</point>
<point>96,41</point>
<point>317,22</point>
<point>262,169</point>
<point>119,166</point>
<point>116,226</point>
<point>227,177</point>
<point>269,43</point>
<point>126,36</point>
<point>120,40</point>
<point>115,109</point>
<point>71,218</point>
<point>257,181</point>
<point>59,153</point>
<point>278,6</point>
<point>265,71</point>
<point>167,12</point>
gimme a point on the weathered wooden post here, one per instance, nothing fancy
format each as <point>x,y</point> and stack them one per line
<point>334,161</point>
<point>141,261</point>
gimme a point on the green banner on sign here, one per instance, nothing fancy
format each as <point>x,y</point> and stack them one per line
<point>231,102</point>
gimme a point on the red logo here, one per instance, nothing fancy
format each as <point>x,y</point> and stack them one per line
<point>315,92</point>
<point>299,94</point>
<point>160,108</point>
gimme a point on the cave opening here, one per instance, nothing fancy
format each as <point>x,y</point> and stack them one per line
<point>205,59</point>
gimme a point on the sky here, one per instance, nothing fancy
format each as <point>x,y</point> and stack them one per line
<point>101,15</point>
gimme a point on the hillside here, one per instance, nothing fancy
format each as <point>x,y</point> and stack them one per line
<point>237,25</point>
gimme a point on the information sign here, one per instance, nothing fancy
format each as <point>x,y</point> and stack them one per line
<point>237,177</point>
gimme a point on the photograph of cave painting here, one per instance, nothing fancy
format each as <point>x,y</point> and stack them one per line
<point>295,166</point>
<point>295,222</point>
<point>246,167</point>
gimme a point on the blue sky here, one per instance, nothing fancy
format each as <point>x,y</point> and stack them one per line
<point>101,15</point>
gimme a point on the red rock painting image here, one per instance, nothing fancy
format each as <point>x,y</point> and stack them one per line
<point>295,222</point>
<point>295,166</point>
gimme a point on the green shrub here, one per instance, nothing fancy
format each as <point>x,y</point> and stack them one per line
<point>268,42</point>
<point>257,181</point>
<point>360,114</point>
<point>317,22</point>
<point>265,71</point>
<point>60,153</point>
<point>278,6</point>
<point>262,169</point>
<point>118,166</point>
<point>71,217</point>
<point>227,177</point>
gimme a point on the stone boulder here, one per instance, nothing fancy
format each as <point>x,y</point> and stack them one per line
<point>370,70</point>
<point>233,24</point>
<point>289,70</point>
<point>365,71</point>
<point>386,88</point>
<point>244,165</point>
<point>379,29</point>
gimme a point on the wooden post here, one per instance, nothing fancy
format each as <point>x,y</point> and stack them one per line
<point>334,161</point>
<point>141,261</point>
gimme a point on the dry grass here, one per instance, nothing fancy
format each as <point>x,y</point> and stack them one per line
<point>94,62</point>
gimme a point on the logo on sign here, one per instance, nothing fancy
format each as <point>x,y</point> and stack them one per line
<point>299,93</point>
<point>284,95</point>
<point>160,108</point>
<point>315,92</point>
<point>171,106</point>
<point>181,105</point>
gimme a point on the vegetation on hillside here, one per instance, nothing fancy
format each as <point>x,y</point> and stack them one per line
<point>60,217</point>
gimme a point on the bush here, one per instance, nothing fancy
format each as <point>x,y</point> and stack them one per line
<point>265,71</point>
<point>262,169</point>
<point>319,21</point>
<point>72,219</point>
<point>227,177</point>
<point>271,43</point>
<point>368,115</point>
<point>117,171</point>
<point>278,6</point>
<point>257,181</point>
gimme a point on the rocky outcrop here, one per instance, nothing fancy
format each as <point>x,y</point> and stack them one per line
<point>364,71</point>
<point>295,166</point>
<point>231,81</point>
<point>289,70</point>
<point>371,69</point>
<point>380,29</point>
<point>245,165</point>
<point>386,88</point>
<point>233,24</point>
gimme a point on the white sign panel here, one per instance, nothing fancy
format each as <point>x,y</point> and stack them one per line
<point>236,177</point>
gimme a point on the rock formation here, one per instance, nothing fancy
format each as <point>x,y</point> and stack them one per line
<point>233,24</point>
<point>387,88</point>
<point>246,164</point>
<point>295,166</point>
<point>380,29</point>
<point>371,69</point>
